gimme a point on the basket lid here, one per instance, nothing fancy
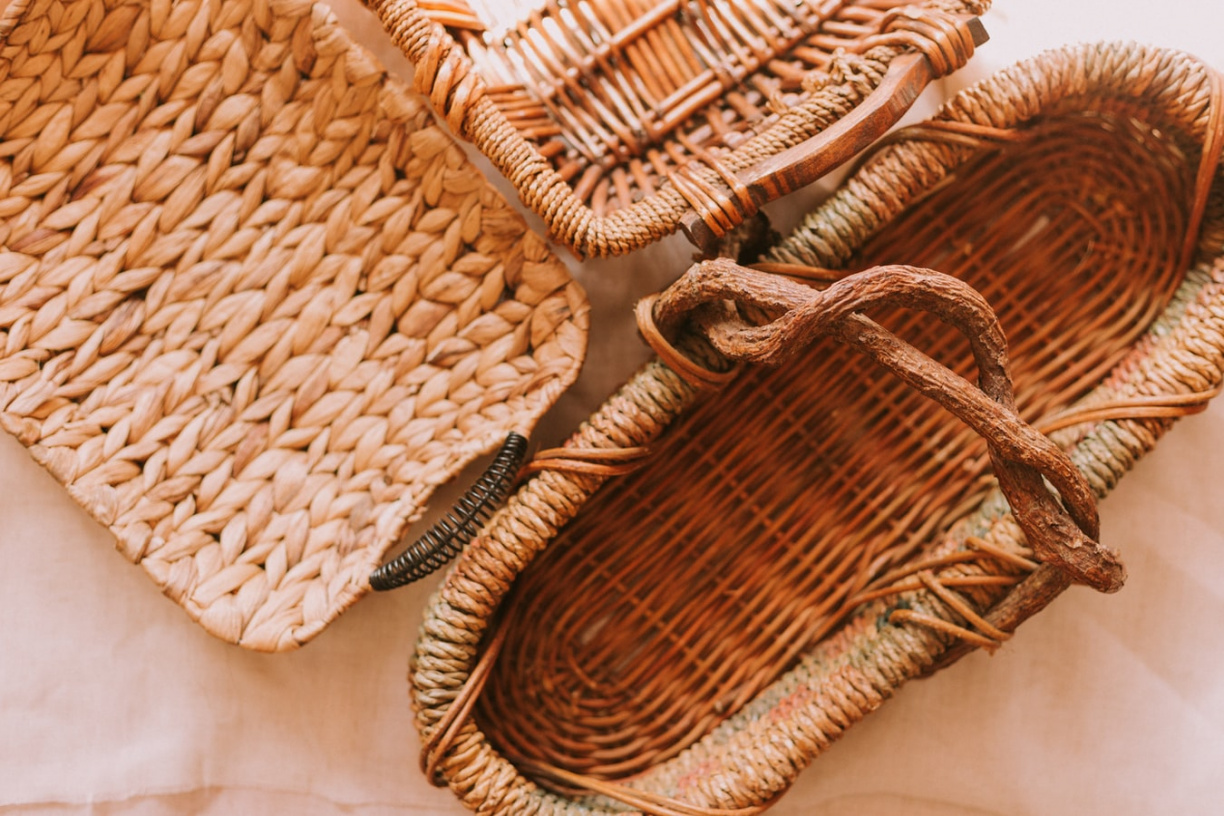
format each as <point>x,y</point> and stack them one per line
<point>620,122</point>
<point>256,304</point>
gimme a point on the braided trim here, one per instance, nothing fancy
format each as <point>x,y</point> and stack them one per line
<point>1022,458</point>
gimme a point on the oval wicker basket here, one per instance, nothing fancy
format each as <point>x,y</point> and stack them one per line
<point>619,121</point>
<point>801,540</point>
<point>255,305</point>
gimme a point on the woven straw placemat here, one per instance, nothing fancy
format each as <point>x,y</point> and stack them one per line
<point>254,303</point>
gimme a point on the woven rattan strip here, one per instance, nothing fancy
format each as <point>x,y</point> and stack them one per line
<point>254,304</point>
<point>615,118</point>
<point>704,658</point>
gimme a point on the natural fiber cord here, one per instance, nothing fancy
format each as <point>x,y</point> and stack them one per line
<point>801,540</point>
<point>254,304</point>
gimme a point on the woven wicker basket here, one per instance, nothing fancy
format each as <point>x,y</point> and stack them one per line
<point>801,540</point>
<point>619,121</point>
<point>254,304</point>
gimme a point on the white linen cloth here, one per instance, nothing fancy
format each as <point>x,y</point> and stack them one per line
<point>113,702</point>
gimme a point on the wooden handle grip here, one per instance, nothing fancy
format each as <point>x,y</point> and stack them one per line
<point>807,161</point>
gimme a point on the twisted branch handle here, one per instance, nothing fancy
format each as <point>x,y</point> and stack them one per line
<point>1062,533</point>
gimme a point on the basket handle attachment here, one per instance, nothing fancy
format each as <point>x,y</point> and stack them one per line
<point>943,42</point>
<point>713,294</point>
<point>455,530</point>
<point>447,538</point>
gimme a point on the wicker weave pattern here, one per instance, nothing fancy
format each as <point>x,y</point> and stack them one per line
<point>254,304</point>
<point>615,118</point>
<point>1164,336</point>
<point>613,79</point>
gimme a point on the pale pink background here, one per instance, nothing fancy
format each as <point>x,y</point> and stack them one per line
<point>112,701</point>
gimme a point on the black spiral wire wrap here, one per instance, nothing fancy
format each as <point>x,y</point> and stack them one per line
<point>445,539</point>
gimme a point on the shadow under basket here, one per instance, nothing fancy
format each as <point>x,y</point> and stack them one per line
<point>621,121</point>
<point>802,539</point>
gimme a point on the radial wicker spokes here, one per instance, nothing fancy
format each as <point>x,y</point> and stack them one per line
<point>685,588</point>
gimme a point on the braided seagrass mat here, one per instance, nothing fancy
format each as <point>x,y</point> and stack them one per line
<point>621,121</point>
<point>255,305</point>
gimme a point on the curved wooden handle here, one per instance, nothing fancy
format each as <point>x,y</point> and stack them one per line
<point>1060,533</point>
<point>794,168</point>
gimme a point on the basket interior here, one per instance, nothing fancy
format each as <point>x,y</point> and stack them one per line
<point>617,93</point>
<point>685,588</point>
